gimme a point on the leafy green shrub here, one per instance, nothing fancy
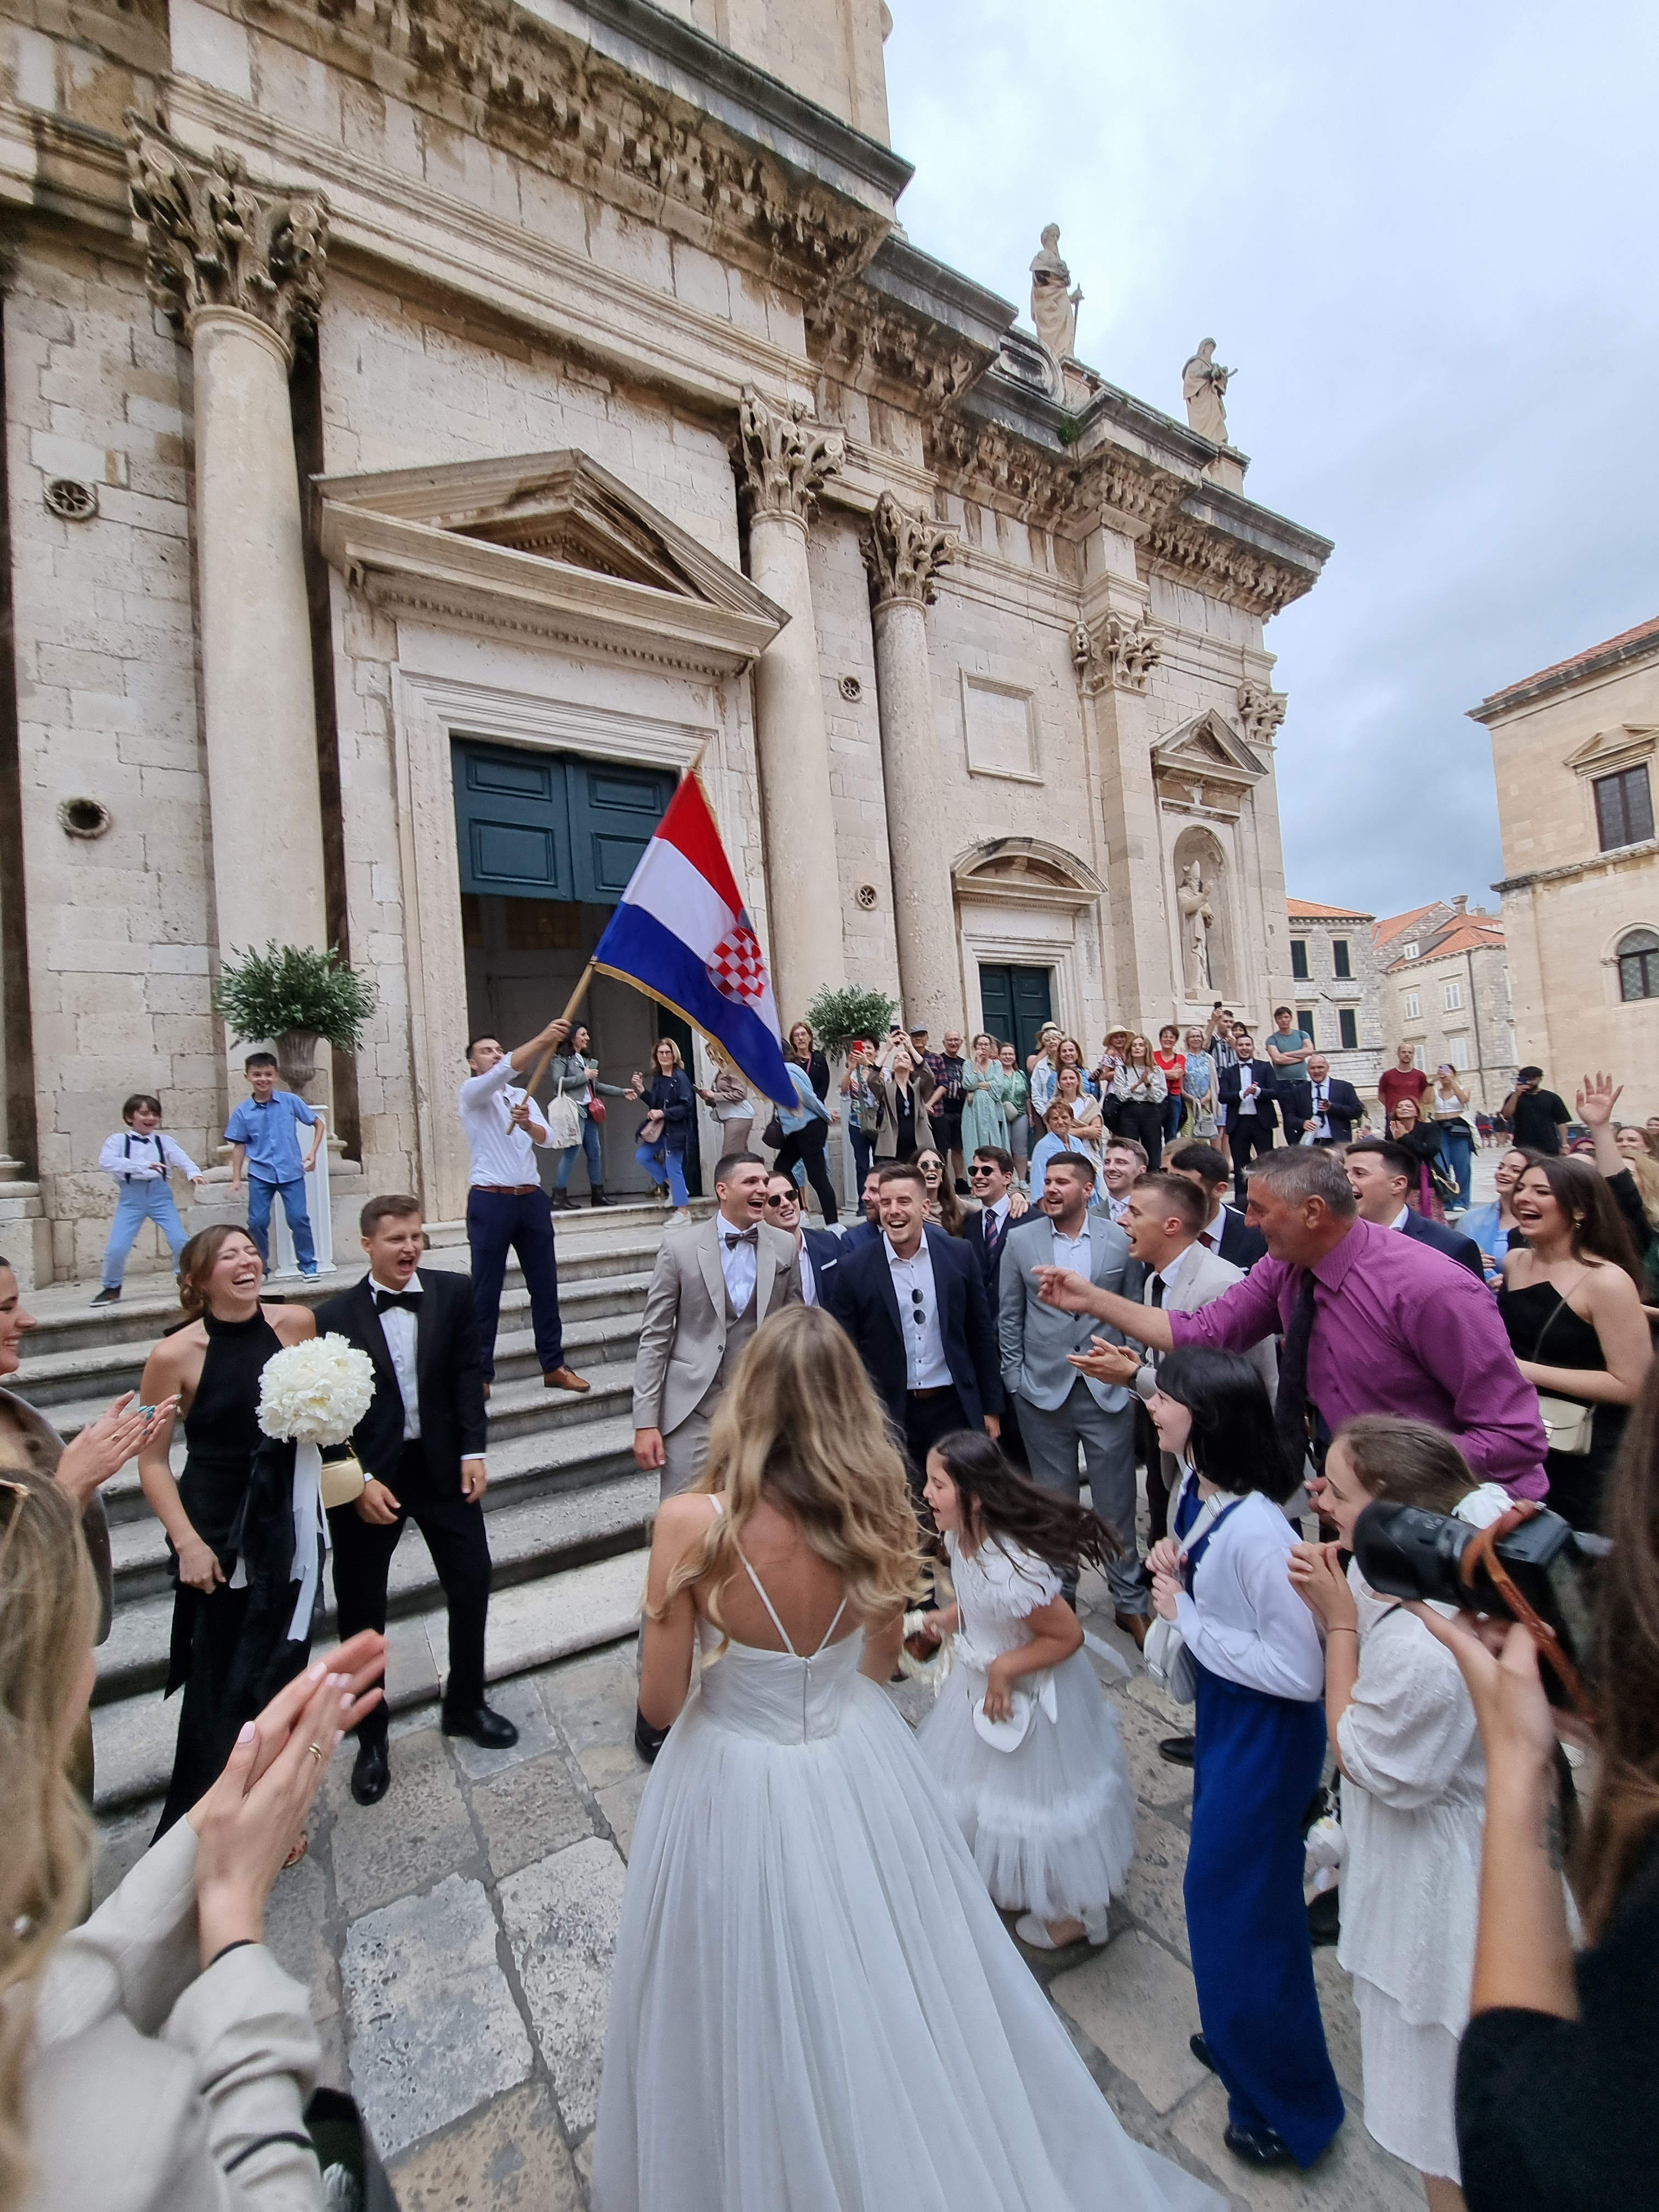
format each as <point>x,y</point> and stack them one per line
<point>838,1017</point>
<point>294,987</point>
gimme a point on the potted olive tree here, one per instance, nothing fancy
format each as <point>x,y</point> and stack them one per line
<point>296,997</point>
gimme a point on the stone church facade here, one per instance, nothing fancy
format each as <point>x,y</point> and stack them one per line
<point>429,428</point>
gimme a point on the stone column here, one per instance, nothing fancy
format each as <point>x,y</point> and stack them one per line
<point>1114,656</point>
<point>781,460</point>
<point>903,552</point>
<point>241,270</point>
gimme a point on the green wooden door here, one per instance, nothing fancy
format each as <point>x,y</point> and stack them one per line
<point>1017,1002</point>
<point>552,826</point>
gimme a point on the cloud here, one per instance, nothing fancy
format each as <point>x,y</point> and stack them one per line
<point>1425,237</point>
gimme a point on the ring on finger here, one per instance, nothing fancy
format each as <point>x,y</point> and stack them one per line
<point>317,1752</point>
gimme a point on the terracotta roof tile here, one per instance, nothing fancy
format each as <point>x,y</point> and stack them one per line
<point>1391,926</point>
<point>1643,634</point>
<point>1306,910</point>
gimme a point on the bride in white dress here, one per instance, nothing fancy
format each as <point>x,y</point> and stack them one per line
<point>815,2006</point>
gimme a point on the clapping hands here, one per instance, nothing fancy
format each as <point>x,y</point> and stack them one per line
<point>104,1446</point>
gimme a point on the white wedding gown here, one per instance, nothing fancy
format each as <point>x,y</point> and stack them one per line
<point>815,2006</point>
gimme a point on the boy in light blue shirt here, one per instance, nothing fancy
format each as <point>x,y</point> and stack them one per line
<point>263,1132</point>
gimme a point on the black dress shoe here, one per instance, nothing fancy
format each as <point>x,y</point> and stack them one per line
<point>1178,1749</point>
<point>492,1731</point>
<point>371,1777</point>
<point>1325,1919</point>
<point>1262,2146</point>
<point>1200,2050</point>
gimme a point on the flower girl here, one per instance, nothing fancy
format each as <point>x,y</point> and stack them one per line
<point>1023,1741</point>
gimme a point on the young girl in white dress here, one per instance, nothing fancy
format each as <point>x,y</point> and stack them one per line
<point>1403,1731</point>
<point>1051,1818</point>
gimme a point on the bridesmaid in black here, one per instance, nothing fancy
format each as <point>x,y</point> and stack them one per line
<point>212,1364</point>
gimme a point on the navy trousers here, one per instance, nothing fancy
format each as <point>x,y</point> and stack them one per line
<point>499,1222</point>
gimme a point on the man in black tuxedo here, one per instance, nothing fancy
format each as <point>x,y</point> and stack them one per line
<point>1380,1173</point>
<point>422,1446</point>
<point>1321,1102</point>
<point>1248,1092</point>
<point>913,1303</point>
<point>1226,1233</point>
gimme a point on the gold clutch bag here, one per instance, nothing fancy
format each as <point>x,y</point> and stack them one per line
<point>341,1482</point>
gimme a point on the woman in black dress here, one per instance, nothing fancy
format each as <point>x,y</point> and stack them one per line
<point>212,1365</point>
<point>1571,1302</point>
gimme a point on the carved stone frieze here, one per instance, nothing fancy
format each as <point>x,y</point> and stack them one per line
<point>880,349</point>
<point>215,240</point>
<point>996,467</point>
<point>1260,711</point>
<point>1220,566</point>
<point>1121,651</point>
<point>782,458</point>
<point>904,552</point>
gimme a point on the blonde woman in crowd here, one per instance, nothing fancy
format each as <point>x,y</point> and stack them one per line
<point>1042,1068</point>
<point>1139,1090</point>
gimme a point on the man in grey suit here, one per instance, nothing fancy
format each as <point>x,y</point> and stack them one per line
<point>714,1283</point>
<point>1059,1408</point>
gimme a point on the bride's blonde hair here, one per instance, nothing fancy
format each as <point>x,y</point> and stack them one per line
<point>801,1423</point>
<point>48,1608</point>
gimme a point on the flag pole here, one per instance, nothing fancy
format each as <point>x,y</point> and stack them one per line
<point>570,1007</point>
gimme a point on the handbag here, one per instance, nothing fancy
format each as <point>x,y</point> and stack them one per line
<point>596,1108</point>
<point>772,1135</point>
<point>343,1482</point>
<point>564,1122</point>
<point>1169,1662</point>
<point>651,1128</point>
<point>1569,1423</point>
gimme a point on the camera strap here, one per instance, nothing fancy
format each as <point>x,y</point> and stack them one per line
<point>1482,1552</point>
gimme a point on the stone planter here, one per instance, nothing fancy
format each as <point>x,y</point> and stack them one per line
<point>296,1057</point>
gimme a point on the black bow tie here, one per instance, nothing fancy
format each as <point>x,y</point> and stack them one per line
<point>736,1236</point>
<point>408,1300</point>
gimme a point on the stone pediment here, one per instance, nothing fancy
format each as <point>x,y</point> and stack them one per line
<point>1026,869</point>
<point>1610,750</point>
<point>548,542</point>
<point>1210,747</point>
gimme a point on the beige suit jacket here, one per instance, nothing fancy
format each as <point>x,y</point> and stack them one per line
<point>683,1332</point>
<point>1206,1276</point>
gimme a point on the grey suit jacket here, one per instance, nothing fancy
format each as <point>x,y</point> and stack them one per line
<point>1034,1338</point>
<point>1204,1277</point>
<point>683,1332</point>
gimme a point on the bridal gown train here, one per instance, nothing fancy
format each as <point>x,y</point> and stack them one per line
<point>816,2007</point>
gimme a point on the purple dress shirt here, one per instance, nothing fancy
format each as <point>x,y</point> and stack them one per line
<point>1398,1328</point>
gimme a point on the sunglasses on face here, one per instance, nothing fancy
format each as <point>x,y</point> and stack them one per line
<point>773,1205</point>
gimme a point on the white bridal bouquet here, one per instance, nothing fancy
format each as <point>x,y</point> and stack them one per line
<point>312,1394</point>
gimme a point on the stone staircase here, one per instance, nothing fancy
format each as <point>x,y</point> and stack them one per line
<point>569,1512</point>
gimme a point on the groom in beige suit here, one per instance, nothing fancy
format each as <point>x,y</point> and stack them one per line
<point>715,1282</point>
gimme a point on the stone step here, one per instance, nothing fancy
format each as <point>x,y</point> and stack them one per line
<point>531,1623</point>
<point>534,1532</point>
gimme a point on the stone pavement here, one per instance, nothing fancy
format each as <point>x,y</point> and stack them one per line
<point>456,1941</point>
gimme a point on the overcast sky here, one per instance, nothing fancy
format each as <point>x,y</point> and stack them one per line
<point>1426,235</point>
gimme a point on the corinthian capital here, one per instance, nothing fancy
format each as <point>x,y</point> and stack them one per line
<point>904,552</point>
<point>1119,650</point>
<point>782,457</point>
<point>215,240</point>
<point>1259,711</point>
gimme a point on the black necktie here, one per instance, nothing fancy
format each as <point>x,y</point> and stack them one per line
<point>1157,1290</point>
<point>408,1300</point>
<point>1290,1406</point>
<point>736,1236</point>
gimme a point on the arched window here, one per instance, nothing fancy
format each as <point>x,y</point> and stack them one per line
<point>1638,964</point>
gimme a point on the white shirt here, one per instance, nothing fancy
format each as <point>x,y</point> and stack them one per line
<point>500,1153</point>
<point>809,1282</point>
<point>1321,1099</point>
<point>925,1365</point>
<point>132,1158</point>
<point>738,1264</point>
<point>1247,1096</point>
<point>1211,1233</point>
<point>1243,1621</point>
<point>1073,1252</point>
<point>1168,1275</point>
<point>401,1330</point>
<point>1401,1218</point>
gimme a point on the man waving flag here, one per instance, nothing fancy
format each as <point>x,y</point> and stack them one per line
<point>683,935</point>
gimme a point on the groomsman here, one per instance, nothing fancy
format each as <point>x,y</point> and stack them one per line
<point>422,1447</point>
<point>818,1251</point>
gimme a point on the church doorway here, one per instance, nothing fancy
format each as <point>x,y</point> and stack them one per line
<point>1014,1003</point>
<point>547,842</point>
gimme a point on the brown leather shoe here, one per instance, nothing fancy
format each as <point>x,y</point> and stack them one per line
<point>564,1378</point>
<point>1135,1625</point>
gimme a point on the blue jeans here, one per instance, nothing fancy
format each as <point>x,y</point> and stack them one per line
<point>1457,1149</point>
<point>664,1165</point>
<point>261,1196</point>
<point>590,1145</point>
<point>498,1222</point>
<point>1172,1110</point>
<point>136,1204</point>
<point>863,1151</point>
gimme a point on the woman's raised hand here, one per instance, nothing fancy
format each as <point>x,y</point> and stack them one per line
<point>1318,1579</point>
<point>104,1446</point>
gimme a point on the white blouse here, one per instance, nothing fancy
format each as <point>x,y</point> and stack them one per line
<point>1412,1804</point>
<point>1243,1621</point>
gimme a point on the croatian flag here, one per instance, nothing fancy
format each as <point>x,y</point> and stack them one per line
<point>683,936</point>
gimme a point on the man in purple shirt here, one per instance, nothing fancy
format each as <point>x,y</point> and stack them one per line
<point>1396,1327</point>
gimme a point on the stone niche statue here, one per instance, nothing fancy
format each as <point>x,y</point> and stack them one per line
<point>1204,386</point>
<point>1053,309</point>
<point>1197,920</point>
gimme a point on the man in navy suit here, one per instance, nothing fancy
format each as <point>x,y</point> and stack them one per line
<point>1248,1092</point>
<point>1226,1233</point>
<point>820,1250</point>
<point>867,1230</point>
<point>913,1303</point>
<point>1321,1102</point>
<point>1002,1202</point>
<point>1380,1174</point>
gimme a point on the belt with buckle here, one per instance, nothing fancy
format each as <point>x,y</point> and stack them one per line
<point>507,1190</point>
<point>939,1390</point>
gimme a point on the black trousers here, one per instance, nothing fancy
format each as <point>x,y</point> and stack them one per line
<point>455,1534</point>
<point>807,1145</point>
<point>1143,1120</point>
<point>927,1419</point>
<point>1249,1140</point>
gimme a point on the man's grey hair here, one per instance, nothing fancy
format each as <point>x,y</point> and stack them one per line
<point>1301,1171</point>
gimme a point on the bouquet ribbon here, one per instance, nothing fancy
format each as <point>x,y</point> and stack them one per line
<point>310,1536</point>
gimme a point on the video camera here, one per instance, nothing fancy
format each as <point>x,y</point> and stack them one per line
<point>1530,1564</point>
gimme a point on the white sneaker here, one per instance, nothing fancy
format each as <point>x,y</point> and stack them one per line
<point>681,1213</point>
<point>1030,1929</point>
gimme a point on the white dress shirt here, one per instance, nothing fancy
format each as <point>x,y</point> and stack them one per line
<point>1243,1621</point>
<point>1249,1090</point>
<point>401,1330</point>
<point>809,1282</point>
<point>1319,1126</point>
<point>130,1157</point>
<point>926,1367</point>
<point>1073,1252</point>
<point>1401,1218</point>
<point>738,1264</point>
<point>1210,1235</point>
<point>500,1153</point>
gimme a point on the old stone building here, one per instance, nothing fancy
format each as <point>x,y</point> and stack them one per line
<point>1573,755</point>
<point>1445,976</point>
<point>1338,998</point>
<point>429,425</point>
